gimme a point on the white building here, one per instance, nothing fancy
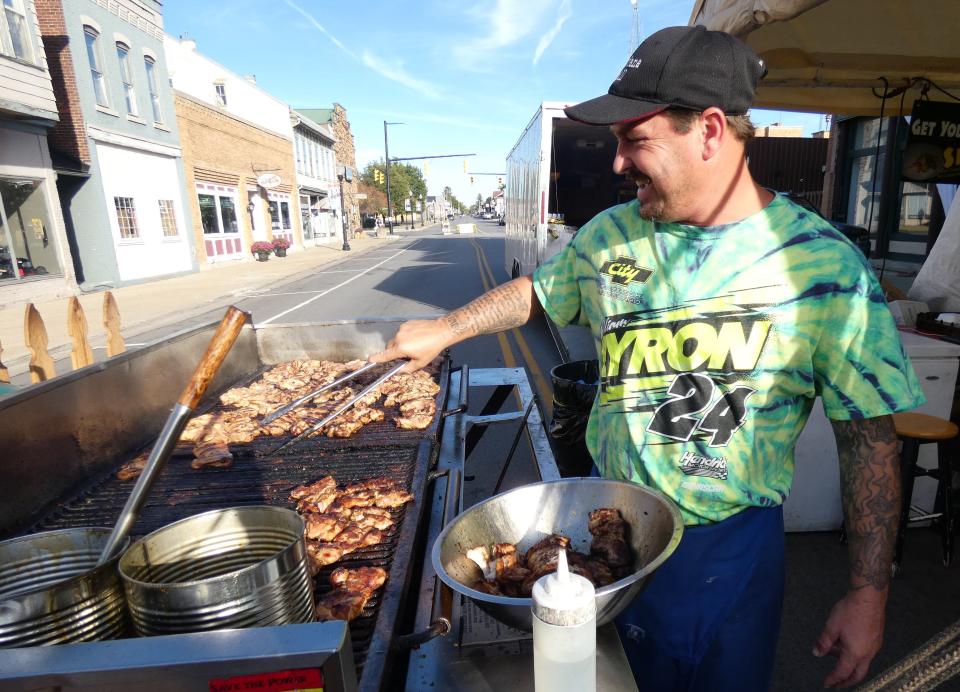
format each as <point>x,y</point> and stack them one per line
<point>313,146</point>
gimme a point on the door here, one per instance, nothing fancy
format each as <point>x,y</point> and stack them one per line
<point>221,228</point>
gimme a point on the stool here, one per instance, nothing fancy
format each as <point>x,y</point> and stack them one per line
<point>913,430</point>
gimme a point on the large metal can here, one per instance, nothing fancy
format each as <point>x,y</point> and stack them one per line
<point>237,567</point>
<point>53,592</point>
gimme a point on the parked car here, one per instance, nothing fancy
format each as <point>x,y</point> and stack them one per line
<point>858,235</point>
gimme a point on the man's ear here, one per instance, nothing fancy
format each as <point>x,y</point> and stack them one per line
<point>713,126</point>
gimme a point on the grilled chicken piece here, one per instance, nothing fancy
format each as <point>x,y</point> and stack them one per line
<point>417,422</point>
<point>416,407</point>
<point>505,555</point>
<point>542,557</point>
<point>489,587</point>
<point>325,527</point>
<point>211,455</point>
<point>352,589</point>
<point>609,543</point>
<point>322,554</point>
<point>359,578</point>
<point>133,468</point>
<point>315,497</point>
<point>371,518</point>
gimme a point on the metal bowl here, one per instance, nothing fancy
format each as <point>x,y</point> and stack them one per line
<point>53,592</point>
<point>526,514</point>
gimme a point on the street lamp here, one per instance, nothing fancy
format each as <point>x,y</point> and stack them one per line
<point>344,173</point>
<point>386,166</point>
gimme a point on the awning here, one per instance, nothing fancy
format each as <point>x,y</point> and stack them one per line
<point>825,56</point>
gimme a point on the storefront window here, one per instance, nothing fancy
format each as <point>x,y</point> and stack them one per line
<point>26,246</point>
<point>225,221</point>
<point>274,215</point>
<point>208,213</point>
<point>228,215</point>
<point>285,215</point>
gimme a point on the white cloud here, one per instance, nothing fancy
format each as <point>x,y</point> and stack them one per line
<point>566,11</point>
<point>504,25</point>
<point>395,73</point>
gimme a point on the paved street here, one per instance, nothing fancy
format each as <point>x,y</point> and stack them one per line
<point>422,273</point>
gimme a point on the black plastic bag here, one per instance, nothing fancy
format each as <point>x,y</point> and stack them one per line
<point>574,390</point>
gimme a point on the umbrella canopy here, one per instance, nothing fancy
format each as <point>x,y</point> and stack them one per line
<point>826,56</point>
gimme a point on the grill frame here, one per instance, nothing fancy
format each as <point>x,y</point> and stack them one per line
<point>89,478</point>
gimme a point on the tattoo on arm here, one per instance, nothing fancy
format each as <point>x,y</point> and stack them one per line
<point>870,484</point>
<point>502,308</point>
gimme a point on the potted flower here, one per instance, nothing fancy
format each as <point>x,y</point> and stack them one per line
<point>262,250</point>
<point>280,246</point>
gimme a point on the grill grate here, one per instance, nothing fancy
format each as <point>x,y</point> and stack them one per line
<point>181,491</point>
<point>379,449</point>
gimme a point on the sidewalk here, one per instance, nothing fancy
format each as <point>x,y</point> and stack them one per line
<point>157,303</point>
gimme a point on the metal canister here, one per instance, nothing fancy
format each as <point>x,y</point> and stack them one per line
<point>237,567</point>
<point>53,592</point>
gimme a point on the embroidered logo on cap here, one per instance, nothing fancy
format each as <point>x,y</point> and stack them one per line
<point>631,63</point>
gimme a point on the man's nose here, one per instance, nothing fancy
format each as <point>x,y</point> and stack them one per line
<point>621,164</point>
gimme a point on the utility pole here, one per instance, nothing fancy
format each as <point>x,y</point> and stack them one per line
<point>386,166</point>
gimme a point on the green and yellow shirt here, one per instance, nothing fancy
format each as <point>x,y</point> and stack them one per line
<point>714,342</point>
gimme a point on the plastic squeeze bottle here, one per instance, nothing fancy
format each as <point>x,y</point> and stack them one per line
<point>564,632</point>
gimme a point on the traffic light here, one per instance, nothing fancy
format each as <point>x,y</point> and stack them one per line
<point>426,168</point>
<point>465,166</point>
<point>499,182</point>
<point>471,180</point>
<point>376,175</point>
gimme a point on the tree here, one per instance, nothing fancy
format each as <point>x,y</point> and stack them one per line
<point>406,181</point>
<point>376,201</point>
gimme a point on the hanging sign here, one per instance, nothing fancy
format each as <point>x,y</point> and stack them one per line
<point>932,154</point>
<point>268,181</point>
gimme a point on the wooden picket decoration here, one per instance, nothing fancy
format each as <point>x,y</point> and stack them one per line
<point>81,355</point>
<point>35,336</point>
<point>4,373</point>
<point>111,322</point>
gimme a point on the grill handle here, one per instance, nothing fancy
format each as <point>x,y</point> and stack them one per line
<point>442,624</point>
<point>220,345</point>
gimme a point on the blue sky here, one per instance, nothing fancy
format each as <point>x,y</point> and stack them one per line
<point>463,77</point>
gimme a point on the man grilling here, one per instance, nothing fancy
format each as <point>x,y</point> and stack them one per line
<point>720,311</point>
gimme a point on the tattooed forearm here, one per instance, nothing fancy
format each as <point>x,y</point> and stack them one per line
<point>504,307</point>
<point>870,484</point>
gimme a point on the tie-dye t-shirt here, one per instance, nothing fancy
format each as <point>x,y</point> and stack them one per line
<point>714,343</point>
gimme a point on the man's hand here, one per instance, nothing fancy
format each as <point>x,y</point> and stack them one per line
<point>419,340</point>
<point>870,484</point>
<point>853,634</point>
<point>497,310</point>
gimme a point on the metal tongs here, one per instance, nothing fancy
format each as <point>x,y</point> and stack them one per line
<point>343,407</point>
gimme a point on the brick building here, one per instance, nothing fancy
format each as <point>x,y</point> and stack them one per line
<point>238,153</point>
<point>345,152</point>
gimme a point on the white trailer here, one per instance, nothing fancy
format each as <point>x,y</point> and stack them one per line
<point>559,175</point>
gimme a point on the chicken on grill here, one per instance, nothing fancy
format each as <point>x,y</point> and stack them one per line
<point>352,588</point>
<point>610,558</point>
<point>341,521</point>
<point>133,468</point>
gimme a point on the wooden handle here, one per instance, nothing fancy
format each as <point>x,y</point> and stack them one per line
<point>35,336</point>
<point>219,347</point>
<point>81,355</point>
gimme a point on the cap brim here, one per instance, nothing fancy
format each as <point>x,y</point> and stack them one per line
<point>610,109</point>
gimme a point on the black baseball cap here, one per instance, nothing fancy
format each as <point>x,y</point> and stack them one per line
<point>680,66</point>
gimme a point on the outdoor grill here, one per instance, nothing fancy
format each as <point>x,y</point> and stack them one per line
<point>65,439</point>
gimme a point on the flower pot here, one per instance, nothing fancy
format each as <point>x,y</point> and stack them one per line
<point>280,251</point>
<point>262,256</point>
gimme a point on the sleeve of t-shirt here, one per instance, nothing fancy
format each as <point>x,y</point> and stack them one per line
<point>558,288</point>
<point>860,367</point>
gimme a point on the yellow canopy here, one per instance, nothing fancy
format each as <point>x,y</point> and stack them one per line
<point>824,56</point>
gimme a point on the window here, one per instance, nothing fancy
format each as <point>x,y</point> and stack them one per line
<point>151,66</point>
<point>126,217</point>
<point>225,221</point>
<point>285,215</point>
<point>14,35</point>
<point>96,71</point>
<point>168,220</point>
<point>27,250</point>
<point>123,57</point>
<point>221,93</point>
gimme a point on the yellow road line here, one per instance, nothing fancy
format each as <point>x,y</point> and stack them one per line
<point>539,381</point>
<point>508,358</point>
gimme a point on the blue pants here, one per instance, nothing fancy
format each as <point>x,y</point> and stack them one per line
<point>708,619</point>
